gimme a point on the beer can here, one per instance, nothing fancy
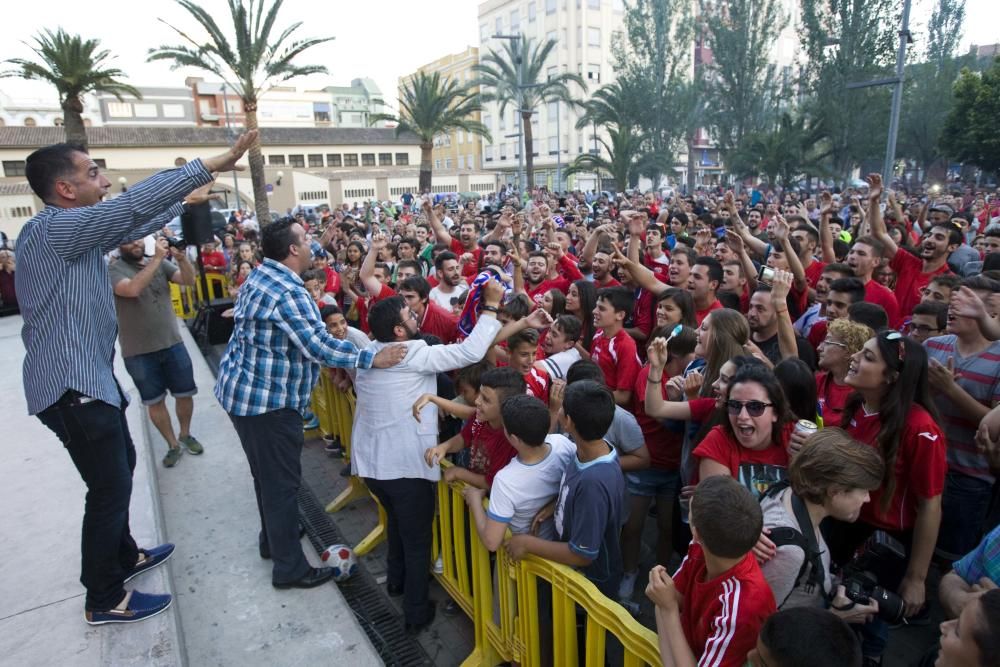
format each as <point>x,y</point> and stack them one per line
<point>806,427</point>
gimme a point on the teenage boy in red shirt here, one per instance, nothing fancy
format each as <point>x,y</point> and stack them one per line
<point>710,612</point>
<point>613,349</point>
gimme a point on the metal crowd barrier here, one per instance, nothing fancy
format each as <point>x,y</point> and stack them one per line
<point>185,299</point>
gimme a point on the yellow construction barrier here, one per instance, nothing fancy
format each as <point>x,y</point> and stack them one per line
<point>217,284</point>
<point>508,629</point>
<point>183,301</point>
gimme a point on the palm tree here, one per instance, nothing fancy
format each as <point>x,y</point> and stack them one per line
<point>626,159</point>
<point>431,107</point>
<point>793,147</point>
<point>250,61</point>
<point>498,72</point>
<point>75,67</point>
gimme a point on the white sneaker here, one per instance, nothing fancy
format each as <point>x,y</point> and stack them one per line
<point>627,585</point>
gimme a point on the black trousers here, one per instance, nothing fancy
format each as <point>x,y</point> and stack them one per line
<point>409,507</point>
<point>273,445</point>
<point>96,436</point>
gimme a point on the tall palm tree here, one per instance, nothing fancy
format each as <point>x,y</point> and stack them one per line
<point>75,67</point>
<point>430,107</point>
<point>251,60</point>
<point>498,73</point>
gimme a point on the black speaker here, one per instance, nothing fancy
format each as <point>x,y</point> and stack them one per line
<point>210,326</point>
<point>196,224</point>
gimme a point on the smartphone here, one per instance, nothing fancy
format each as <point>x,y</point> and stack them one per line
<point>765,275</point>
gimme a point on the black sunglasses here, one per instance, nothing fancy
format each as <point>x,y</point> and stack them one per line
<point>754,408</point>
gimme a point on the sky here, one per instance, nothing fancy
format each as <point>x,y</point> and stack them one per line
<point>380,39</point>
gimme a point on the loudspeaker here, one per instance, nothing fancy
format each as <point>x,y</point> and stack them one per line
<point>210,326</point>
<point>196,224</point>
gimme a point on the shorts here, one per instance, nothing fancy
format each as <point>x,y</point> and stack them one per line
<point>154,373</point>
<point>653,482</point>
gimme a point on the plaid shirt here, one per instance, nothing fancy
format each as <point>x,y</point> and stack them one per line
<point>983,561</point>
<point>272,360</point>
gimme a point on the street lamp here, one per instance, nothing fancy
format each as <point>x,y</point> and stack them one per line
<point>123,182</point>
<point>280,175</point>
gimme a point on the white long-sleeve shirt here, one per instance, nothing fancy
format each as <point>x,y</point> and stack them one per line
<point>387,442</point>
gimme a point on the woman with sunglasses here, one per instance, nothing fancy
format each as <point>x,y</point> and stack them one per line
<point>844,339</point>
<point>891,410</point>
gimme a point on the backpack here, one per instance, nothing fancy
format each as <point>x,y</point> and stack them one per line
<point>785,535</point>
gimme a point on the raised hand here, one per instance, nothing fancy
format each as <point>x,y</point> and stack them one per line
<point>657,353</point>
<point>227,161</point>
<point>781,285</point>
<point>539,319</point>
<point>874,187</point>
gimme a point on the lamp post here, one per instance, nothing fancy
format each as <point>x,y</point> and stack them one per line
<point>280,175</point>
<point>123,182</point>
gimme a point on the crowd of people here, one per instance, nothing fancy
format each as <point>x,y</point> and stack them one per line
<point>800,393</point>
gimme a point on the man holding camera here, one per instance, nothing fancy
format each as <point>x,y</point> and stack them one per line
<point>151,343</point>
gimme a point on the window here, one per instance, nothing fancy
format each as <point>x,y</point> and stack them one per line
<point>402,159</point>
<point>499,26</point>
<point>297,160</point>
<point>550,6</point>
<point>503,151</point>
<point>484,33</point>
<point>312,196</point>
<point>315,160</point>
<point>276,160</point>
<point>594,4</point>
<point>535,145</point>
<point>461,137</point>
<point>13,168</point>
<point>551,72</point>
<point>447,163</point>
<point>124,109</point>
<point>515,21</point>
<point>461,162</point>
<point>145,110</point>
<point>531,12</point>
<point>551,36</point>
<point>333,160</point>
<point>321,112</point>
<point>359,193</point>
<point>58,122</point>
<point>553,145</point>
<point>593,73</point>
<point>594,37</point>
<point>482,187</point>
<point>350,159</point>
<point>503,120</point>
<point>437,164</point>
<point>368,159</point>
<point>552,112</point>
<point>488,150</point>
<point>487,120</point>
<point>173,110</point>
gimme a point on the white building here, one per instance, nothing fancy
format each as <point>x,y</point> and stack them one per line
<point>583,31</point>
<point>43,111</point>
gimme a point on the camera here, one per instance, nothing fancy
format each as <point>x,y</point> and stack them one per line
<point>174,242</point>
<point>765,275</point>
<point>882,557</point>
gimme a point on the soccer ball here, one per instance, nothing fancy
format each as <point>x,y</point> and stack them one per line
<point>342,559</point>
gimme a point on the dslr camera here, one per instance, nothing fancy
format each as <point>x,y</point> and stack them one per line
<point>882,554</point>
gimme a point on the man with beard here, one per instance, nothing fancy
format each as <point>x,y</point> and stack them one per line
<point>450,285</point>
<point>466,246</point>
<point>151,343</point>
<point>538,278</point>
<point>763,321</point>
<point>913,273</point>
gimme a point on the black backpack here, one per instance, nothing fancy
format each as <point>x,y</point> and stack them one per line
<point>785,535</point>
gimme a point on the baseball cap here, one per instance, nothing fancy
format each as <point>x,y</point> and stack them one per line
<point>943,208</point>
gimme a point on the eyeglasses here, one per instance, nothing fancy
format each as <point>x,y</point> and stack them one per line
<point>923,328</point>
<point>827,341</point>
<point>754,408</point>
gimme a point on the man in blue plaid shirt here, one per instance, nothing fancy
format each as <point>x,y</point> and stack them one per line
<point>265,381</point>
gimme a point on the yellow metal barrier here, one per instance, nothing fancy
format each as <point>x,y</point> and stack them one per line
<point>183,301</point>
<point>335,409</point>
<point>508,630</point>
<point>217,284</point>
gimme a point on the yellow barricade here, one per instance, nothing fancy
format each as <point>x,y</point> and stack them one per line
<point>217,284</point>
<point>183,301</point>
<point>335,409</point>
<point>508,630</point>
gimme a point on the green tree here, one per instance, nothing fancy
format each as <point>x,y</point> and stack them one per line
<point>785,152</point>
<point>430,107</point>
<point>740,80</point>
<point>655,55</point>
<point>624,158</point>
<point>252,59</point>
<point>971,132</point>
<point>849,41</point>
<point>498,74</point>
<point>927,96</point>
<point>75,67</point>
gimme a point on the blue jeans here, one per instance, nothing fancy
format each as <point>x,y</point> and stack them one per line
<point>154,373</point>
<point>964,505</point>
<point>96,436</point>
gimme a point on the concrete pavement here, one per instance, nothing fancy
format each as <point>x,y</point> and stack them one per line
<point>225,611</point>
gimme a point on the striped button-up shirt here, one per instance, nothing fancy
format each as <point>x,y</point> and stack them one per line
<point>63,288</point>
<point>279,341</point>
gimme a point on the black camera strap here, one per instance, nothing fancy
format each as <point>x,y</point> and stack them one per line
<point>804,539</point>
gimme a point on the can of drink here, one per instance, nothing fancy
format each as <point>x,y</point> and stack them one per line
<point>806,427</point>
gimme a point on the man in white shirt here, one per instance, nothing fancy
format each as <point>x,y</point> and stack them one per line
<point>451,284</point>
<point>388,447</point>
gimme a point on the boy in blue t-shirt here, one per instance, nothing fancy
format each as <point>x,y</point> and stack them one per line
<point>589,510</point>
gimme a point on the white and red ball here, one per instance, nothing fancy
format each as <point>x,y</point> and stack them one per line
<point>342,559</point>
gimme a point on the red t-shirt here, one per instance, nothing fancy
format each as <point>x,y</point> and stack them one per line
<point>664,445</point>
<point>644,314</point>
<point>755,469</point>
<point>538,384</point>
<point>700,315</point>
<point>439,322</point>
<point>568,272</point>
<point>817,334</point>
<point>332,281</point>
<point>366,303</point>
<point>832,398</point>
<point>489,449</point>
<point>609,281</point>
<point>214,262</point>
<point>921,466</point>
<point>881,295</point>
<point>470,268</point>
<point>910,279</point>
<point>618,358</point>
<point>722,617</point>
<point>701,409</point>
<point>813,272</point>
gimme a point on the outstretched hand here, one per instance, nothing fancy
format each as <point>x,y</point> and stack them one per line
<point>227,161</point>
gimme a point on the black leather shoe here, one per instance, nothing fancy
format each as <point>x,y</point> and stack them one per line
<point>416,628</point>
<point>316,576</point>
<point>393,591</point>
<point>265,548</point>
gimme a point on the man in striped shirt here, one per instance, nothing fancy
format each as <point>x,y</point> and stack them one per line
<point>69,339</point>
<point>266,377</point>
